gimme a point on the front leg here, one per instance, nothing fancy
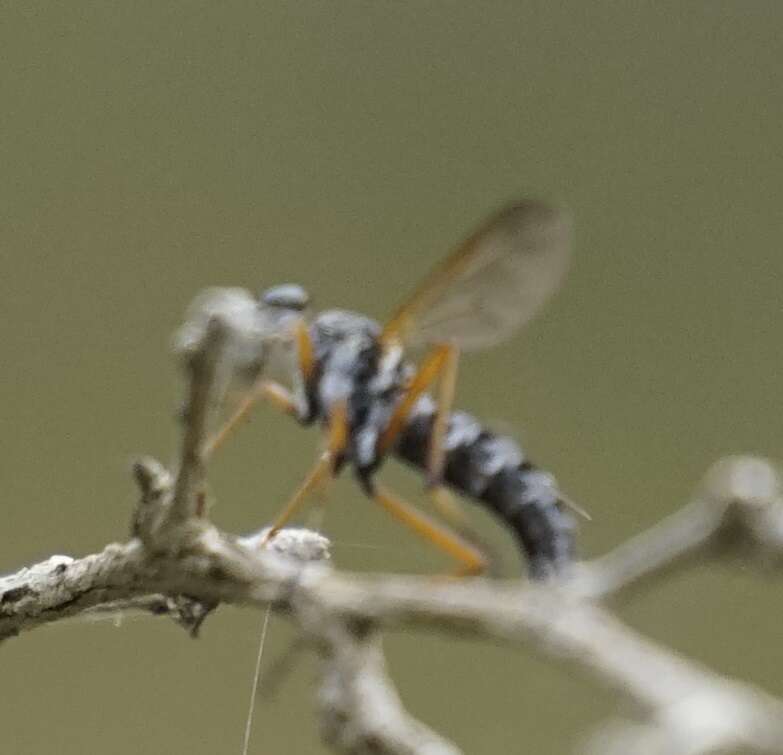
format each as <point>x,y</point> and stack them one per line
<point>297,403</point>
<point>268,390</point>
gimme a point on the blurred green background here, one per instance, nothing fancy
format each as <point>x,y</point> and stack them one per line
<point>150,149</point>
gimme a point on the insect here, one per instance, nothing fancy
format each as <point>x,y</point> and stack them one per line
<point>351,374</point>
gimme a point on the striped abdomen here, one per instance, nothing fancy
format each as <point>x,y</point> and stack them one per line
<point>493,469</point>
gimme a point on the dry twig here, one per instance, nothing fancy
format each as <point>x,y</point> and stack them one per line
<point>178,564</point>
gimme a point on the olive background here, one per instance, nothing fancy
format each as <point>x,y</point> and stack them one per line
<point>148,150</point>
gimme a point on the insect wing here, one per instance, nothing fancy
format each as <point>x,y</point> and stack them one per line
<point>492,284</point>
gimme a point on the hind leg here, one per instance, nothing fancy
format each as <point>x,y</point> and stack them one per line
<point>471,559</point>
<point>440,365</point>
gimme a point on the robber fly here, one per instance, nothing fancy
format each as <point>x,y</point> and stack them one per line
<point>350,374</point>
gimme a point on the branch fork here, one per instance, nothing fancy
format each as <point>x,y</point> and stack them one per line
<point>178,564</point>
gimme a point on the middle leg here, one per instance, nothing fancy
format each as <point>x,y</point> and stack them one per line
<point>321,472</point>
<point>267,390</point>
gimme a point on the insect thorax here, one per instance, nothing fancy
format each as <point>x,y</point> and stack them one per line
<point>353,368</point>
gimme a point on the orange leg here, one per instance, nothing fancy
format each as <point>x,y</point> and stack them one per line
<point>430,368</point>
<point>272,392</point>
<point>449,509</point>
<point>322,472</point>
<point>306,353</point>
<point>275,393</point>
<point>442,362</point>
<point>472,560</point>
<point>442,500</point>
<point>445,400</point>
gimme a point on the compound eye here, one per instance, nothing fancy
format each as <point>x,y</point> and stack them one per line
<point>286,296</point>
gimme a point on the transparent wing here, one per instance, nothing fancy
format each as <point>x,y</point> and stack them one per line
<point>492,284</point>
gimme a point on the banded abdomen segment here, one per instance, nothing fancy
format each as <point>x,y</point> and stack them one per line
<point>493,469</point>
